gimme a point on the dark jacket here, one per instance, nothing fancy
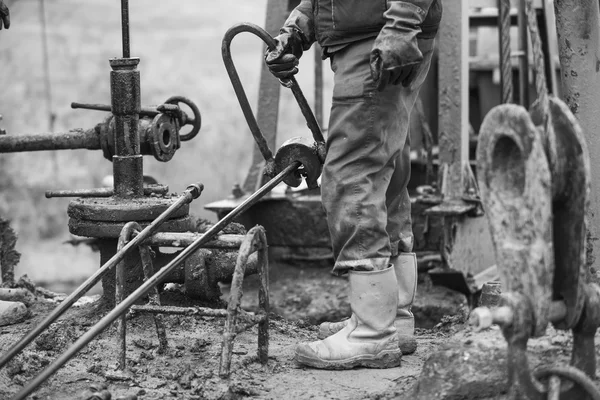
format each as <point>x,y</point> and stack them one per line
<point>337,22</point>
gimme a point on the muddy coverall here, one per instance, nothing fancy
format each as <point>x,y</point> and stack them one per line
<point>367,168</point>
<point>380,53</point>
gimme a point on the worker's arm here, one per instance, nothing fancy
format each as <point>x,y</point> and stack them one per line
<point>296,36</point>
<point>4,15</point>
<point>396,56</point>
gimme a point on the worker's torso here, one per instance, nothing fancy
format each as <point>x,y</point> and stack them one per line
<point>345,21</point>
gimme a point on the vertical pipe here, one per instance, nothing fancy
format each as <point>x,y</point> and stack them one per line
<point>453,97</point>
<point>125,28</point>
<point>126,105</point>
<point>523,58</point>
<point>577,28</point>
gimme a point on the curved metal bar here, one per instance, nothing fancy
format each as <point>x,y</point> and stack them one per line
<point>126,234</point>
<point>255,240</point>
<point>191,193</point>
<point>575,375</point>
<point>153,281</point>
<point>290,83</point>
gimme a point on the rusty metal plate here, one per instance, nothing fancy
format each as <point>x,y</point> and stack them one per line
<point>114,209</point>
<point>515,184</point>
<point>105,230</point>
<point>571,200</point>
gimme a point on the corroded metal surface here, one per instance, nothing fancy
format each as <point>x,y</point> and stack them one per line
<point>192,192</point>
<point>104,192</point>
<point>113,209</point>
<point>255,241</point>
<point>514,180</point>
<point>9,256</point>
<point>107,230</point>
<point>534,174</point>
<point>578,31</point>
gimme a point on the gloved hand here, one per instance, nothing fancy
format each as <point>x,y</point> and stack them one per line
<point>282,61</point>
<point>396,57</point>
<point>297,35</point>
<point>4,15</point>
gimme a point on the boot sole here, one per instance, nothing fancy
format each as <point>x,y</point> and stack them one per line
<point>406,343</point>
<point>385,359</point>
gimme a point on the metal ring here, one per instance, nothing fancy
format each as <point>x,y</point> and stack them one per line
<point>572,374</point>
<point>196,122</point>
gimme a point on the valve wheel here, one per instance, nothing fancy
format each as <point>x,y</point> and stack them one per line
<point>196,121</point>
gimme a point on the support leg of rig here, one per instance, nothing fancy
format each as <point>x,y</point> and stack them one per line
<point>255,240</point>
<point>154,300</point>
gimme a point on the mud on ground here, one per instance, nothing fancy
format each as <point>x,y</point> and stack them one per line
<point>189,370</point>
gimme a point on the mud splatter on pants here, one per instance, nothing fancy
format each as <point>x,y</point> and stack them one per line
<point>367,168</point>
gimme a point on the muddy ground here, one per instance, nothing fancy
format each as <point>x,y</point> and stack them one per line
<point>300,298</point>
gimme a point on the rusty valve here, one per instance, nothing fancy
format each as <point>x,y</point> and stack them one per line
<point>159,136</point>
<point>310,154</point>
<point>170,108</point>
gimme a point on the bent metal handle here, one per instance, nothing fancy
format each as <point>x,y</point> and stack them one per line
<point>192,192</point>
<point>291,83</point>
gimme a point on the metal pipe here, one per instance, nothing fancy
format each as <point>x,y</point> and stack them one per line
<point>147,285</point>
<point>191,193</point>
<point>200,311</point>
<point>71,140</point>
<point>184,239</point>
<point>125,28</point>
<point>144,111</point>
<point>103,192</point>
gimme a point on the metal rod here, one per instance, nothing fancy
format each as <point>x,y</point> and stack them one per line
<point>199,311</point>
<point>144,111</point>
<point>121,324</point>
<point>102,192</point>
<point>125,28</point>
<point>318,85</point>
<point>147,285</point>
<point>523,60</point>
<point>191,193</point>
<point>154,299</point>
<point>184,239</point>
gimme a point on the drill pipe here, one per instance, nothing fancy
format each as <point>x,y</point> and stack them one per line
<point>154,280</point>
<point>191,193</point>
<point>74,139</point>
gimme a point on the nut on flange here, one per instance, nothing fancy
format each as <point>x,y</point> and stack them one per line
<point>302,150</point>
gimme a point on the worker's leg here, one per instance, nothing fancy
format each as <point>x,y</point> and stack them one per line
<point>367,132</point>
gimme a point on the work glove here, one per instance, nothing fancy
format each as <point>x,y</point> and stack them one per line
<point>396,57</point>
<point>4,16</point>
<point>296,36</point>
<point>283,60</point>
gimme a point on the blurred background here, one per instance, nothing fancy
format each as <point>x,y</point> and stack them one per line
<point>57,51</point>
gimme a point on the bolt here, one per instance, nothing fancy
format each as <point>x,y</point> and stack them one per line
<point>196,190</point>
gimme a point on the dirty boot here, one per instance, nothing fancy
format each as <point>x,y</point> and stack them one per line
<point>369,338</point>
<point>405,265</point>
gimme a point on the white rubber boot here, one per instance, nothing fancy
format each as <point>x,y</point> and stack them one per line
<point>369,338</point>
<point>405,266</point>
